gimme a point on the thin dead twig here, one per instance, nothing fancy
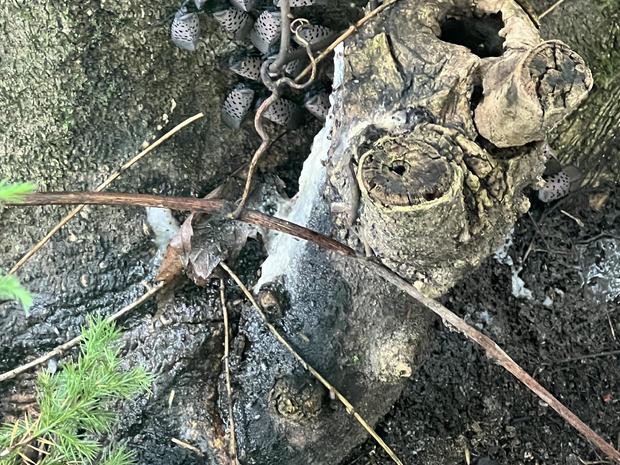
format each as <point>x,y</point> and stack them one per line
<point>186,445</point>
<point>184,204</point>
<point>22,261</point>
<point>609,353</point>
<point>258,119</point>
<point>61,349</point>
<point>450,319</point>
<point>597,237</point>
<point>273,330</point>
<point>262,148</point>
<point>297,27</point>
<point>232,445</point>
<point>596,462</point>
<point>550,9</point>
<point>574,218</point>
<point>538,230</point>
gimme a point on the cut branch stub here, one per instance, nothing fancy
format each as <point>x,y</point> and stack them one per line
<point>404,182</point>
<point>526,94</point>
<point>399,177</point>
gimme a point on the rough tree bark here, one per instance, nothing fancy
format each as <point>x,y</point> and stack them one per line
<point>399,168</point>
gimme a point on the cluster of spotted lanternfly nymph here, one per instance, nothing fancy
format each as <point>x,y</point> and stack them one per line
<point>259,23</point>
<point>246,24</point>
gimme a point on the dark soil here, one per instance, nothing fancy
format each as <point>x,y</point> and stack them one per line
<point>460,408</point>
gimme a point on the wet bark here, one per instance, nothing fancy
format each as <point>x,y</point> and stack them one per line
<point>401,172</point>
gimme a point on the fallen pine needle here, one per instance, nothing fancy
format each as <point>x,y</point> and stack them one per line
<point>232,445</point>
<point>187,446</point>
<point>550,9</point>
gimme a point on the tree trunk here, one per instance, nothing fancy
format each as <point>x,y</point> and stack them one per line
<point>399,168</point>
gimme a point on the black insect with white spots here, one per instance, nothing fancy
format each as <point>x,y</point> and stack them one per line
<point>185,30</point>
<point>294,67</point>
<point>556,187</point>
<point>247,66</point>
<point>298,3</point>
<point>266,30</point>
<point>237,23</point>
<point>240,20</point>
<point>237,106</point>
<point>317,104</point>
<point>284,112</point>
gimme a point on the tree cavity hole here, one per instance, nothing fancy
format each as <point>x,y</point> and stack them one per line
<point>478,34</point>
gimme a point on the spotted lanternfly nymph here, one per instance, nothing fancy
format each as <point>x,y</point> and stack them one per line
<point>298,3</point>
<point>294,67</point>
<point>266,30</point>
<point>284,112</point>
<point>236,23</point>
<point>264,33</point>
<point>237,106</point>
<point>312,34</point>
<point>247,66</point>
<point>317,105</point>
<point>185,30</point>
<point>556,187</point>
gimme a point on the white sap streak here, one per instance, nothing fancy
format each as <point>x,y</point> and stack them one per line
<point>163,225</point>
<point>284,250</point>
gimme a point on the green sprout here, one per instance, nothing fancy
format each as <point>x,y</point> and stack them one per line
<point>14,193</point>
<point>74,407</point>
<point>10,288</point>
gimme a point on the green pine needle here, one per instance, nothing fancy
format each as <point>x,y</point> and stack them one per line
<point>11,289</point>
<point>120,455</point>
<point>14,193</point>
<point>74,405</point>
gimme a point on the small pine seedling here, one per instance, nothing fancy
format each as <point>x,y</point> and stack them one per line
<point>74,407</point>
<point>10,288</point>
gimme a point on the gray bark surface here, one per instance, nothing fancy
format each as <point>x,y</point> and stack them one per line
<point>82,86</point>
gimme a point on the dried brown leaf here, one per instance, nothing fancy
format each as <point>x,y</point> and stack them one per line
<point>200,245</point>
